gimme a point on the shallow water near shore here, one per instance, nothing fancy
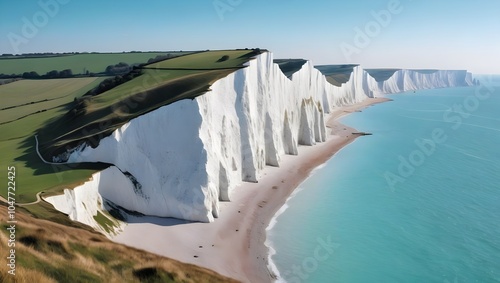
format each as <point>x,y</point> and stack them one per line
<point>418,201</point>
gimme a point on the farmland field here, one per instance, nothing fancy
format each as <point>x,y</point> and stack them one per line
<point>207,60</point>
<point>17,140</point>
<point>29,96</point>
<point>78,63</point>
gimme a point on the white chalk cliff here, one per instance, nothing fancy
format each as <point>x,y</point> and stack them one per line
<point>182,159</point>
<point>84,202</point>
<point>410,80</point>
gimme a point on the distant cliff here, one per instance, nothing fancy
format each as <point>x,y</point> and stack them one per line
<point>408,80</point>
<point>182,159</point>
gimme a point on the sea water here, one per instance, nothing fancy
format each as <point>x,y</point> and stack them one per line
<point>417,201</point>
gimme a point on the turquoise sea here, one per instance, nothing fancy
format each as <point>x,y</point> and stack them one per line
<point>418,201</point>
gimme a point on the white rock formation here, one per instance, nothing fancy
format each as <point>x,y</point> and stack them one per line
<point>410,80</point>
<point>85,201</point>
<point>189,155</point>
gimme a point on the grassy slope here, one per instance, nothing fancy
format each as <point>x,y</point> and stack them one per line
<point>290,66</point>
<point>17,137</point>
<point>78,63</point>
<point>161,84</point>
<point>207,60</point>
<point>51,252</point>
<point>381,75</point>
<point>29,96</point>
<point>336,74</point>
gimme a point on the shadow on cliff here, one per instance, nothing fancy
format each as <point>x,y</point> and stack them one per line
<point>160,221</point>
<point>133,217</point>
<point>31,159</point>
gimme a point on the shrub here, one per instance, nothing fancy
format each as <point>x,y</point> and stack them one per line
<point>223,58</point>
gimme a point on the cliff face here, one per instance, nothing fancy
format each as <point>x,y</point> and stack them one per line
<point>85,202</point>
<point>409,80</point>
<point>183,158</point>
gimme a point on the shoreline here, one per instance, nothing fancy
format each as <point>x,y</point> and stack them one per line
<point>240,232</point>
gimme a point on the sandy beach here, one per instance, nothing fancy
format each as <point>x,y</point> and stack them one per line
<point>233,245</point>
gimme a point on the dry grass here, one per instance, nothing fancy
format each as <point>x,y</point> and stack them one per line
<point>23,275</point>
<point>51,252</point>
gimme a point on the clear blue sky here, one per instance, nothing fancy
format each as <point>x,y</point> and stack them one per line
<point>442,34</point>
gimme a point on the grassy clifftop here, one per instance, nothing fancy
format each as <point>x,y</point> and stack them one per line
<point>336,74</point>
<point>381,75</point>
<point>93,117</point>
<point>290,66</point>
<point>78,63</point>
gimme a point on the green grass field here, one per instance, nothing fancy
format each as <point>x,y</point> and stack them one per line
<point>162,83</point>
<point>29,96</point>
<point>78,63</point>
<point>17,139</point>
<point>207,60</point>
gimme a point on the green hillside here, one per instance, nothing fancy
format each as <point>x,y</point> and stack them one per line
<point>31,104</point>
